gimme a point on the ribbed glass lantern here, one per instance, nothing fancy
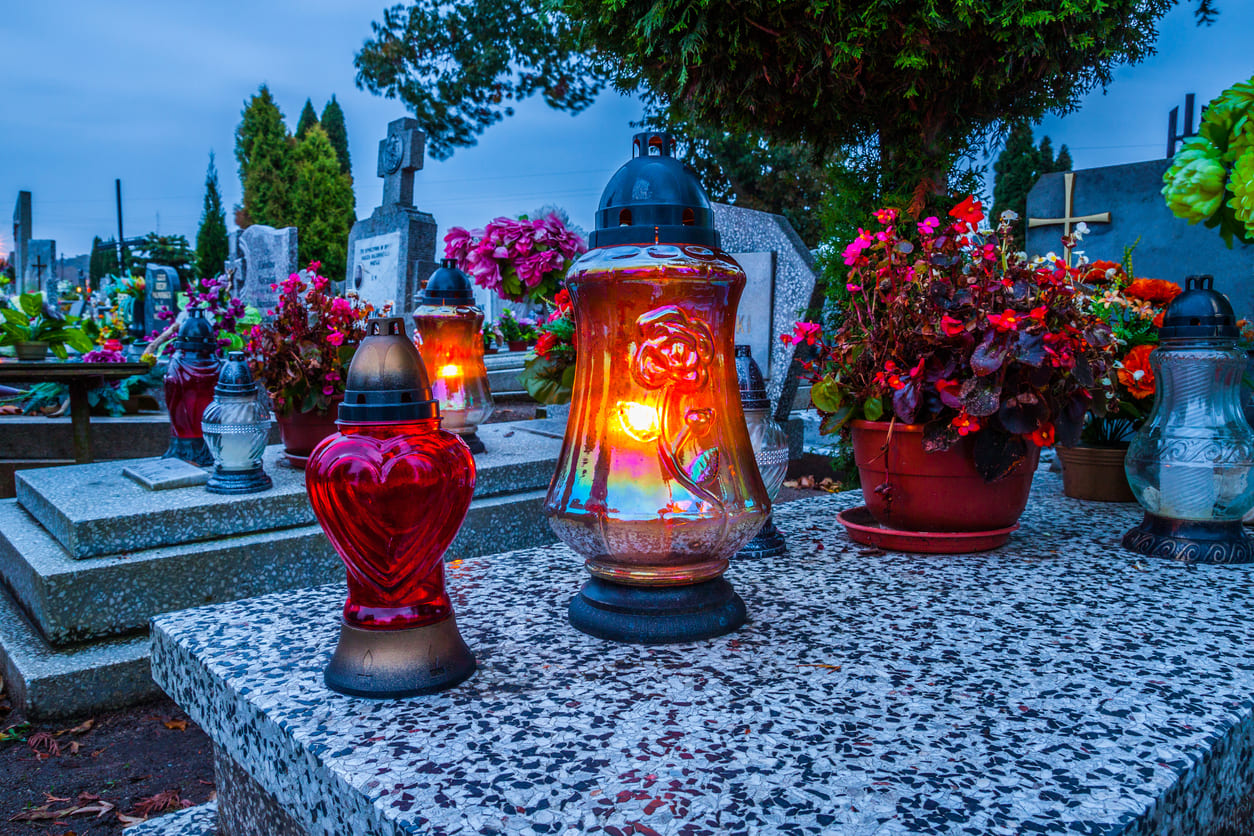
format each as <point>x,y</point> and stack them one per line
<point>1190,463</point>
<point>447,326</point>
<point>770,450</point>
<point>190,378</point>
<point>656,485</point>
<point>236,427</point>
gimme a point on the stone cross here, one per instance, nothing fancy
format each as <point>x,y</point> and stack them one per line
<point>400,155</point>
<point>1067,218</point>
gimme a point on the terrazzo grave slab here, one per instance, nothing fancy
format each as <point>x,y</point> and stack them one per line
<point>93,510</point>
<point>201,820</point>
<point>1057,685</point>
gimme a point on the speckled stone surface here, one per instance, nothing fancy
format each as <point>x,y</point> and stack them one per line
<point>201,820</point>
<point>93,510</point>
<point>1057,685</point>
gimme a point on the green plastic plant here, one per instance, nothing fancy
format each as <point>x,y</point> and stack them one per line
<point>29,319</point>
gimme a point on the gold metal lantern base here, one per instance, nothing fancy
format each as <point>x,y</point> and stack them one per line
<point>387,664</point>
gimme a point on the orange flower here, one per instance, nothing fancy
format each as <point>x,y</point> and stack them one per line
<point>1043,436</point>
<point>1157,291</point>
<point>1136,374</point>
<point>1158,320</point>
<point>1098,272</point>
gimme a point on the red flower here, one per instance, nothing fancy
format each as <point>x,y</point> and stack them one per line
<point>1043,436</point>
<point>545,343</point>
<point>1137,374</point>
<point>1008,321</point>
<point>965,423</point>
<point>889,376</point>
<point>969,211</point>
<point>1157,291</point>
<point>952,327</point>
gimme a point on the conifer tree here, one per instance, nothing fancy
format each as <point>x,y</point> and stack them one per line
<point>337,132</point>
<point>211,243</point>
<point>1063,161</point>
<point>1016,171</point>
<point>308,118</point>
<point>264,152</point>
<point>104,259</point>
<point>323,201</point>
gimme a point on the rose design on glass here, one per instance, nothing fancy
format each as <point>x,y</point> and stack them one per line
<point>674,349</point>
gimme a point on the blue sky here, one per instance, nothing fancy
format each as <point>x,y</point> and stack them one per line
<point>143,90</point>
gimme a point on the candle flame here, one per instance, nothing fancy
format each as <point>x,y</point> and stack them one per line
<point>639,420</point>
<point>451,370</point>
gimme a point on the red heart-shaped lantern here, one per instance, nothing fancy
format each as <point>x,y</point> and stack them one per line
<point>390,490</point>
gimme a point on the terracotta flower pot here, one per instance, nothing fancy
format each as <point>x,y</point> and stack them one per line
<point>1095,473</point>
<point>938,492</point>
<point>303,431</point>
<point>31,350</point>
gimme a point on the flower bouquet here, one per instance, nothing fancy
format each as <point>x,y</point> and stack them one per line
<point>520,260</point>
<point>549,370</point>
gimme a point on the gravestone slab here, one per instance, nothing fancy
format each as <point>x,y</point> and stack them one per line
<point>755,316</point>
<point>21,238</point>
<point>161,286</point>
<point>165,474</point>
<point>795,288</point>
<point>1166,247</point>
<point>41,256</point>
<point>267,257</point>
<point>392,253</point>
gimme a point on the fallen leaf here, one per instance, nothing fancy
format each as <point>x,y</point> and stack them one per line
<point>127,821</point>
<point>74,747</point>
<point>81,728</point>
<point>160,803</point>
<point>14,733</point>
<point>42,742</point>
<point>180,725</point>
<point>817,665</point>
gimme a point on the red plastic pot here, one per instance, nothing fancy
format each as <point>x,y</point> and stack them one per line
<point>905,487</point>
<point>303,431</point>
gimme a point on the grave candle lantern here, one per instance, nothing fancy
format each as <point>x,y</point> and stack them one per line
<point>770,450</point>
<point>1189,465</point>
<point>447,326</point>
<point>390,490</point>
<point>236,427</point>
<point>189,380</point>
<point>656,485</point>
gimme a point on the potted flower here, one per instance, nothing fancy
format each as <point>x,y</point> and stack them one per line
<point>489,337</point>
<point>1093,469</point>
<point>301,356</point>
<point>33,328</point>
<point>954,363</point>
<point>512,331</point>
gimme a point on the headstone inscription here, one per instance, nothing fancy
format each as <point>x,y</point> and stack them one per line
<point>1163,246</point>
<point>266,257</point>
<point>779,290</point>
<point>161,284</point>
<point>21,238</point>
<point>41,257</point>
<point>391,253</point>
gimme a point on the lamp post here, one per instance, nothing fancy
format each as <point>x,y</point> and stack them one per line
<point>390,490</point>
<point>770,450</point>
<point>447,326</point>
<point>236,427</point>
<point>656,486</point>
<point>1189,464</point>
<point>190,378</point>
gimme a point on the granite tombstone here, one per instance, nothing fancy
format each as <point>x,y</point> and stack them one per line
<point>161,287</point>
<point>41,257</point>
<point>264,257</point>
<point>782,284</point>
<point>21,237</point>
<point>1127,203</point>
<point>391,253</point>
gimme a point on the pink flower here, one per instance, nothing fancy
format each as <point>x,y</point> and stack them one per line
<point>341,306</point>
<point>854,251</point>
<point>803,332</point>
<point>885,216</point>
<point>328,390</point>
<point>853,288</point>
<point>457,243</point>
<point>335,338</point>
<point>929,225</point>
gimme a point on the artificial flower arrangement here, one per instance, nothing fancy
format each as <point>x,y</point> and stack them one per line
<point>233,319</point>
<point>943,327</point>
<point>521,260</point>
<point>28,318</point>
<point>301,355</point>
<point>549,370</point>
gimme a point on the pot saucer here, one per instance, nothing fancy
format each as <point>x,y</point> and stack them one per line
<point>296,462</point>
<point>863,528</point>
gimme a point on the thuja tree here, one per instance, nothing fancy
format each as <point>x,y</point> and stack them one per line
<point>337,132</point>
<point>211,243</point>
<point>308,118</point>
<point>263,150</point>
<point>323,203</point>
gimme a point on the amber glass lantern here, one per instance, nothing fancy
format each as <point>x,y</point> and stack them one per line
<point>770,450</point>
<point>656,485</point>
<point>189,381</point>
<point>390,490</point>
<point>447,326</point>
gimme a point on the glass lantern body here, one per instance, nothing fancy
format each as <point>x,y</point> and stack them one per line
<point>236,429</point>
<point>391,497</point>
<point>1192,458</point>
<point>770,448</point>
<point>452,351</point>
<point>656,483</point>
<point>189,381</point>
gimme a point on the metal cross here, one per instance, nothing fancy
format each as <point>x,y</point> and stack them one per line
<point>1068,185</point>
<point>39,271</point>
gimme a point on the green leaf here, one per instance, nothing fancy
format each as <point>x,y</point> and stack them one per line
<point>826,395</point>
<point>31,304</point>
<point>873,409</point>
<point>59,350</point>
<point>704,468</point>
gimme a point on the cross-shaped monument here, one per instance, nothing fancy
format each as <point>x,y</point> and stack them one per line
<point>391,253</point>
<point>1068,219</point>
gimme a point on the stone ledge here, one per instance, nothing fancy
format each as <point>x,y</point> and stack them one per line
<point>201,820</point>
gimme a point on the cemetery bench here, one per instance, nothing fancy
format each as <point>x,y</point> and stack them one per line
<point>1059,684</point>
<point>80,378</point>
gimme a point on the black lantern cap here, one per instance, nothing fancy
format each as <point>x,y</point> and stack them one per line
<point>196,334</point>
<point>235,379</point>
<point>386,380</point>
<point>448,286</point>
<point>749,379</point>
<point>1199,313</point>
<point>654,199</point>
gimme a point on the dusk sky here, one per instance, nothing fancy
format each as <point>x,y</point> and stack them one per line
<point>144,90</point>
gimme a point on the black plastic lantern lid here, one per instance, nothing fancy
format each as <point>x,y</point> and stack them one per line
<point>235,379</point>
<point>448,286</point>
<point>386,380</point>
<point>1199,313</point>
<point>749,379</point>
<point>654,199</point>
<point>196,334</point>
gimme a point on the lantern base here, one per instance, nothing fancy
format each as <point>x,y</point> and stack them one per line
<point>657,614</point>
<point>768,542</point>
<point>386,664</point>
<point>474,443</point>
<point>191,450</point>
<point>238,481</point>
<point>1190,541</point>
